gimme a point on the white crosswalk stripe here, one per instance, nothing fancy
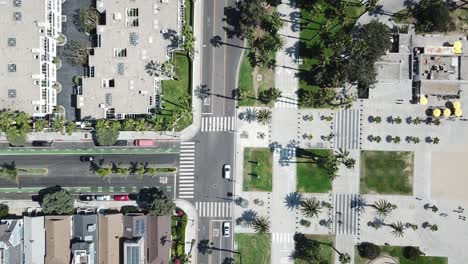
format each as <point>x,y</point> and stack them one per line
<point>217,123</point>
<point>185,183</point>
<point>282,238</point>
<point>214,209</point>
<point>345,219</point>
<point>287,102</point>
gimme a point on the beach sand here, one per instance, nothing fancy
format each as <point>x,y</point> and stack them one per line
<point>450,176</point>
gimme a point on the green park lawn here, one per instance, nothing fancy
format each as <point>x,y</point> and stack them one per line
<point>326,252</point>
<point>257,169</point>
<point>310,177</point>
<point>310,40</point>
<point>253,248</point>
<point>246,80</point>
<point>387,172</point>
<point>174,89</point>
<point>397,252</point>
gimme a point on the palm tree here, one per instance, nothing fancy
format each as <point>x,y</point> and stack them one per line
<point>397,120</point>
<point>434,227</point>
<point>141,125</point>
<point>103,172</point>
<point>250,115</point>
<point>261,225</point>
<point>264,116</point>
<point>359,203</point>
<point>377,139</point>
<point>398,229</point>
<point>416,140</point>
<point>151,171</point>
<point>377,119</point>
<point>396,140</point>
<point>139,171</point>
<point>311,207</point>
<point>383,207</point>
<point>417,121</point>
<point>436,140</point>
<point>189,39</point>
<point>58,124</point>
<point>40,125</point>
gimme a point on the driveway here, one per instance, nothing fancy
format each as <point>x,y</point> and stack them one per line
<point>70,28</point>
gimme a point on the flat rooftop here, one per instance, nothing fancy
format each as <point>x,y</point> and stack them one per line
<point>20,31</point>
<point>135,33</point>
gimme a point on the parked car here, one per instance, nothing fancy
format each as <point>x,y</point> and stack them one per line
<point>103,197</point>
<point>121,143</point>
<point>86,158</point>
<point>226,229</point>
<point>122,197</point>
<point>227,171</point>
<point>144,142</point>
<point>42,143</point>
<point>86,197</point>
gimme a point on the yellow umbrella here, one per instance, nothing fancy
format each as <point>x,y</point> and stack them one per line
<point>436,112</point>
<point>447,112</point>
<point>456,104</point>
<point>458,112</point>
<point>457,47</point>
<point>423,100</point>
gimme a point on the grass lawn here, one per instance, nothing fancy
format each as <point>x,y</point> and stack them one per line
<point>173,89</point>
<point>253,248</point>
<point>262,182</point>
<point>310,38</point>
<point>246,80</point>
<point>397,252</point>
<point>387,172</point>
<point>311,178</point>
<point>325,251</point>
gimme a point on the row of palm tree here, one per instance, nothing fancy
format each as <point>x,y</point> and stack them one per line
<point>382,206</point>
<point>139,170</point>
<point>262,116</point>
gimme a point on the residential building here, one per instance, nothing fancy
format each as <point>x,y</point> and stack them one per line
<point>147,239</point>
<point>132,41</point>
<point>110,231</point>
<point>58,237</point>
<point>85,242</point>
<point>34,240</point>
<point>11,241</point>
<point>29,30</point>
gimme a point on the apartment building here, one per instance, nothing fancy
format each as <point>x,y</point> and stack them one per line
<point>134,38</point>
<point>29,31</point>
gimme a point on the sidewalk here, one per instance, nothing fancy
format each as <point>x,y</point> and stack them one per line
<point>191,229</point>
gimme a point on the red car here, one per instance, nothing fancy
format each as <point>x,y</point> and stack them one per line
<point>123,197</point>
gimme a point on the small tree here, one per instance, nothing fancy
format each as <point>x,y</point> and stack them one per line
<point>155,201</point>
<point>368,250</point>
<point>16,137</point>
<point>126,209</point>
<point>4,211</point>
<point>70,128</point>
<point>89,18</point>
<point>59,202</point>
<point>107,132</point>
<point>311,207</point>
<point>40,125</point>
<point>189,40</point>
<point>411,252</point>
<point>77,53</point>
<point>267,96</point>
<point>264,116</point>
<point>261,225</point>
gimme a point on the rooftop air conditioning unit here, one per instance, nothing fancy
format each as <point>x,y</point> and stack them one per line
<point>102,106</point>
<point>117,16</point>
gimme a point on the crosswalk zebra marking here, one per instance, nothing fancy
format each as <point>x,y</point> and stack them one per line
<point>186,170</point>
<point>282,238</point>
<point>287,102</point>
<point>214,209</point>
<point>217,123</point>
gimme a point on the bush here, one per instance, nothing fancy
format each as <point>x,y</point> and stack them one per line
<point>411,252</point>
<point>4,210</point>
<point>16,138</point>
<point>305,223</point>
<point>126,209</point>
<point>368,250</point>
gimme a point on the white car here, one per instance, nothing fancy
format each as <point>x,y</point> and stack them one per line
<point>227,171</point>
<point>101,197</point>
<point>226,229</point>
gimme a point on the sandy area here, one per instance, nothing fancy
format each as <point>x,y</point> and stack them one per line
<point>450,176</point>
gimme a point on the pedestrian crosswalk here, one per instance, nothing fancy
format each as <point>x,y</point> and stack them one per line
<point>345,219</point>
<point>286,102</point>
<point>282,238</point>
<point>185,182</point>
<point>214,209</point>
<point>217,123</point>
<point>346,129</point>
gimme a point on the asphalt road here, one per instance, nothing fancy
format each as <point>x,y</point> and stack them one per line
<point>68,170</point>
<point>220,60</point>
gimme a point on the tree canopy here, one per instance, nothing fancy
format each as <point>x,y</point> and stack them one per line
<point>433,15</point>
<point>57,202</point>
<point>107,132</point>
<point>4,211</point>
<point>155,201</point>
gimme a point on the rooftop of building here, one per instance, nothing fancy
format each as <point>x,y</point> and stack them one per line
<point>11,238</point>
<point>85,235</point>
<point>110,232</point>
<point>135,33</point>
<point>21,26</point>
<point>58,236</point>
<point>34,240</point>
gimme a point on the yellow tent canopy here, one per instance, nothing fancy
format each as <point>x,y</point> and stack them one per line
<point>458,112</point>
<point>456,104</point>
<point>436,112</point>
<point>457,47</point>
<point>447,112</point>
<point>423,100</point>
